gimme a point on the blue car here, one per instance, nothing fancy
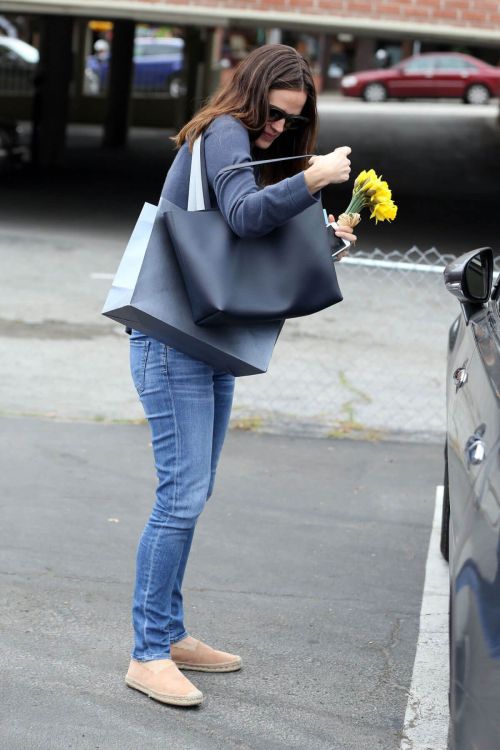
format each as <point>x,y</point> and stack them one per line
<point>158,65</point>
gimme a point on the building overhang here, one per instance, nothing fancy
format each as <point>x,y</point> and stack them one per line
<point>155,12</point>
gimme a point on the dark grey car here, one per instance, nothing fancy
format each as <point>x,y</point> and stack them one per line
<point>471,515</point>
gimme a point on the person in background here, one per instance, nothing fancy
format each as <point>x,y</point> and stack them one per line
<point>101,49</point>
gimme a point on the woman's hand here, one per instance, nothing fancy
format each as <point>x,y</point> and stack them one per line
<point>345,232</point>
<point>331,168</point>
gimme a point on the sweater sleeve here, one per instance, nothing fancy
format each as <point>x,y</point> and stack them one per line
<point>249,210</point>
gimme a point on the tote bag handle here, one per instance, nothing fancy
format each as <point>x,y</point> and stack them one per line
<point>199,195</point>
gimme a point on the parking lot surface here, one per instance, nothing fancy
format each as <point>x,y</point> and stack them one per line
<point>309,561</point>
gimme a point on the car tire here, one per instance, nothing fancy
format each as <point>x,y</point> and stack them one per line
<point>176,86</point>
<point>375,92</point>
<point>477,94</point>
<point>445,517</point>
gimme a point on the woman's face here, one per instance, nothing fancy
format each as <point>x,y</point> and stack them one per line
<point>290,101</point>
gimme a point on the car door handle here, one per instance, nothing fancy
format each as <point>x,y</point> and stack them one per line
<point>460,377</point>
<point>475,451</point>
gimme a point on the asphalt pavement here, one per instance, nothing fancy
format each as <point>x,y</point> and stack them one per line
<point>308,561</point>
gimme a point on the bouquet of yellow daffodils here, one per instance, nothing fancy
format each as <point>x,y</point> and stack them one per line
<point>372,192</point>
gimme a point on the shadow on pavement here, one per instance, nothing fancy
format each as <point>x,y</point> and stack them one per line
<point>309,561</point>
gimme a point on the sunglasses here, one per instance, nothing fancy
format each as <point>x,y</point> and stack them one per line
<point>292,122</point>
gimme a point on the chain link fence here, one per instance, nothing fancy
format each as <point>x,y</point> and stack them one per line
<point>373,366</point>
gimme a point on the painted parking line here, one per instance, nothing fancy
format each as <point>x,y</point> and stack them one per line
<point>397,265</point>
<point>392,265</point>
<point>426,718</point>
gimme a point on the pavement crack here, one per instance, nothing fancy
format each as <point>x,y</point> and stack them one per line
<point>386,652</point>
<point>243,592</point>
<point>52,329</point>
<point>58,576</point>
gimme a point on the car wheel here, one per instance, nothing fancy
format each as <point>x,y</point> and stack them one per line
<point>477,94</point>
<point>445,517</point>
<point>176,87</point>
<point>375,92</point>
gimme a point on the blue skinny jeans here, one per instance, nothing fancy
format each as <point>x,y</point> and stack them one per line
<point>188,405</point>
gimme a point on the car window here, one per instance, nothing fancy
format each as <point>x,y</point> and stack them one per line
<point>149,50</point>
<point>454,63</point>
<point>419,65</point>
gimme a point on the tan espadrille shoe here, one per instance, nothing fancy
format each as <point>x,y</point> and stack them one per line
<point>196,655</point>
<point>161,680</point>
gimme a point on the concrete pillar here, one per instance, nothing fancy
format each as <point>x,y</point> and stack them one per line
<point>209,70</point>
<point>80,59</point>
<point>365,54</point>
<point>194,59</point>
<point>323,62</point>
<point>214,55</point>
<point>273,36</point>
<point>120,84</point>
<point>51,97</point>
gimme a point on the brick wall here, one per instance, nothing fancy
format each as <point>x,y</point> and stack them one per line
<point>483,14</point>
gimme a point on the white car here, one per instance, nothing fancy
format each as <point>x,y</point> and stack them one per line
<point>18,62</point>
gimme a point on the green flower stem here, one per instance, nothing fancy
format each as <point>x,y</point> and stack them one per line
<point>358,202</point>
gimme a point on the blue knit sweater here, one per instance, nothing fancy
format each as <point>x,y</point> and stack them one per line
<point>249,209</point>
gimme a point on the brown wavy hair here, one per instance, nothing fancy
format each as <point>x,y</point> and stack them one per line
<point>245,96</point>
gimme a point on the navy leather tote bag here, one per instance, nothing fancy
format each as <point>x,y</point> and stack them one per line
<point>286,273</point>
<point>148,294</point>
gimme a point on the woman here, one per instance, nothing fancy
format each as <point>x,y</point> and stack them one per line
<point>268,108</point>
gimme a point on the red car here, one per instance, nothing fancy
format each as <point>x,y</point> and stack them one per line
<point>433,74</point>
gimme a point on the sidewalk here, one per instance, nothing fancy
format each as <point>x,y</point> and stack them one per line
<point>309,561</point>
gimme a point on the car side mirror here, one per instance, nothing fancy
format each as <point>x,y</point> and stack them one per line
<point>469,277</point>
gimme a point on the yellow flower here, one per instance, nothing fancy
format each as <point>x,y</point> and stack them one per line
<point>363,178</point>
<point>372,191</point>
<point>384,211</point>
<point>382,193</point>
